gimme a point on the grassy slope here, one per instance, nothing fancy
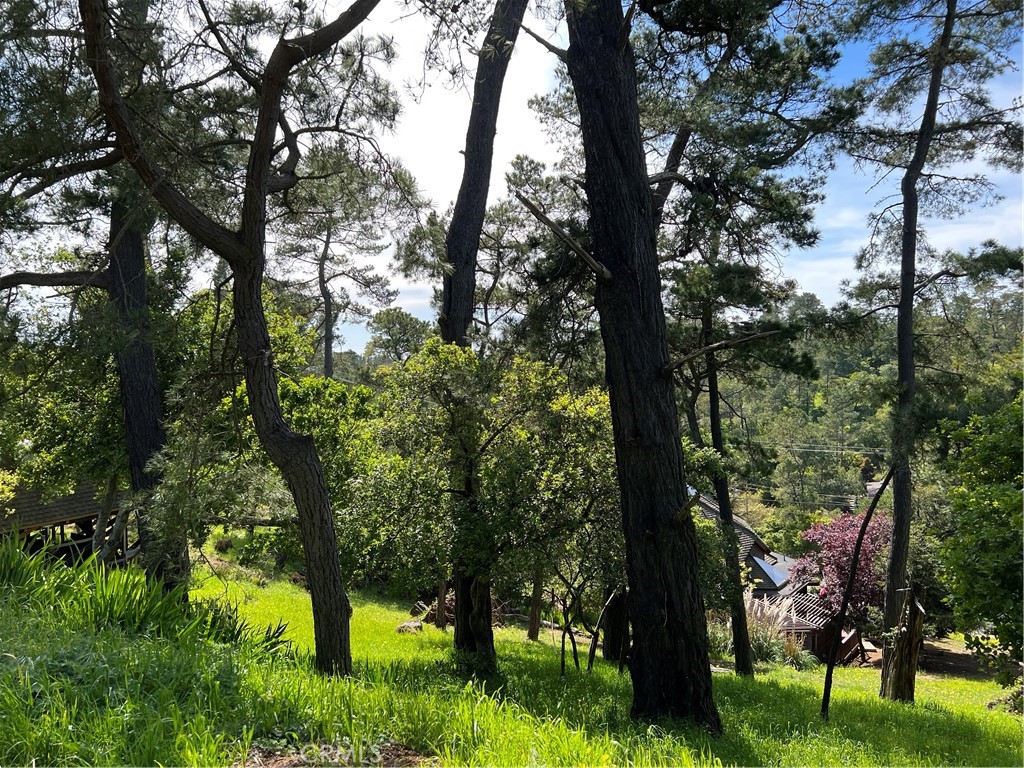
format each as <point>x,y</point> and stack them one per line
<point>406,692</point>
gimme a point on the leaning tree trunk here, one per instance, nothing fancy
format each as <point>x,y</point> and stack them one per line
<point>473,635</point>
<point>166,554</point>
<point>904,427</point>
<point>245,251</point>
<point>669,659</point>
<point>737,608</point>
<point>296,458</point>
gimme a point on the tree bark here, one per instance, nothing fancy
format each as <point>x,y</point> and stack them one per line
<point>669,662</point>
<point>737,608</point>
<point>463,238</point>
<point>328,299</point>
<point>904,426</point>
<point>297,459</point>
<point>536,600</point>
<point>245,251</point>
<point>165,555</point>
<point>899,667</point>
<point>473,633</point>
<point>616,628</point>
<point>441,619</point>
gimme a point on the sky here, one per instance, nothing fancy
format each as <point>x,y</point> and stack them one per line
<point>431,134</point>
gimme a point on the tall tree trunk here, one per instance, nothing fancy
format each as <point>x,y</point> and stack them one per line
<point>328,299</point>
<point>904,427</point>
<point>245,251</point>
<point>296,458</point>
<point>669,662</point>
<point>536,601</point>
<point>616,627</point>
<point>472,570</point>
<point>737,608</point>
<point>441,618</point>
<point>165,556</point>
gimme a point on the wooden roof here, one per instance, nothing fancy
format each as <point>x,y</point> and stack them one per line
<point>31,509</point>
<point>805,611</point>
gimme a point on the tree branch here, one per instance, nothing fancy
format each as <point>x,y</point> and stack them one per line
<point>717,346</point>
<point>71,279</point>
<point>58,174</point>
<point>217,238</point>
<point>599,269</point>
<point>561,53</point>
<point>288,53</point>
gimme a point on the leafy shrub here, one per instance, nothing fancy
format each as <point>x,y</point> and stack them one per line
<point>795,655</point>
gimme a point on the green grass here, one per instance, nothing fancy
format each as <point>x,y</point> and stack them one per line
<point>99,687</point>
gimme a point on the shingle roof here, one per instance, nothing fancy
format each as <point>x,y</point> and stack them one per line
<point>753,552</point>
<point>30,509</point>
<point>747,538</point>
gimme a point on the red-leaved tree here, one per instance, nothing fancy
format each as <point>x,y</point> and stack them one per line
<point>830,563</point>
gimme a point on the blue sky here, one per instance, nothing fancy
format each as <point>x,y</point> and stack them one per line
<point>431,134</point>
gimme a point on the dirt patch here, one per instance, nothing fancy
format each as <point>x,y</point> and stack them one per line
<point>950,657</point>
<point>945,656</point>
<point>385,755</point>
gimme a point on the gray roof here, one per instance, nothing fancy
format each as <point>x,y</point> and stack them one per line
<point>765,572</point>
<point>31,509</point>
<point>747,538</point>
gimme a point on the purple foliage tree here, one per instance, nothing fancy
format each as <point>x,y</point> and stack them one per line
<point>835,541</point>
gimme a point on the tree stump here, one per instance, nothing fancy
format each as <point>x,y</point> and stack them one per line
<point>899,658</point>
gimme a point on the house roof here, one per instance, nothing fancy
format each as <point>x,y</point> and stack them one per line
<point>804,610</point>
<point>773,576</point>
<point>747,538</point>
<point>31,509</point>
<point>765,572</point>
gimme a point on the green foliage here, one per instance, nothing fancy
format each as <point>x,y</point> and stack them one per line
<point>711,567</point>
<point>984,559</point>
<point>8,482</point>
<point>106,696</point>
<point>395,335</point>
<point>336,416</point>
<point>540,469</point>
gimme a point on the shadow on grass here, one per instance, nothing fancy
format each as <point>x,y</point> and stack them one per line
<point>765,721</point>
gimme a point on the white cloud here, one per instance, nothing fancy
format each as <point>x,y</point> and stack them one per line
<point>431,133</point>
<point>430,138</point>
